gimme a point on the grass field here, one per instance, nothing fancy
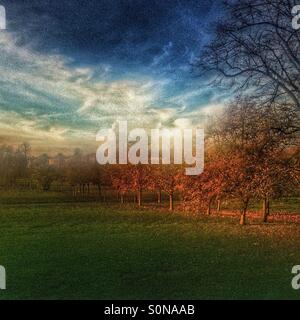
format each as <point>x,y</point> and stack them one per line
<point>88,250</point>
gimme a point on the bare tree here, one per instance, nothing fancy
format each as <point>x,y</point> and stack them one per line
<point>256,50</point>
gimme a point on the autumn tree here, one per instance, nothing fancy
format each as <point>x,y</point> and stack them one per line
<point>138,180</point>
<point>250,142</point>
<point>274,178</point>
<point>199,192</point>
<point>154,181</point>
<point>169,179</point>
<point>240,182</point>
<point>121,178</point>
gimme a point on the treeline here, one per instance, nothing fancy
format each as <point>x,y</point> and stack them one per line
<point>248,156</point>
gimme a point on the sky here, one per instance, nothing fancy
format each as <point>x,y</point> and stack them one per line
<point>71,67</point>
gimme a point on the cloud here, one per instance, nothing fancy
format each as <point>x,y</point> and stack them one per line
<point>49,100</point>
<point>46,97</point>
<point>183,123</point>
<point>13,125</point>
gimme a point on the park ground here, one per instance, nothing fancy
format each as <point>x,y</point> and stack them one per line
<point>56,248</point>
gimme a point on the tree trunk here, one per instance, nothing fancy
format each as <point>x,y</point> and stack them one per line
<point>219,206</point>
<point>122,198</point>
<point>208,211</point>
<point>243,218</point>
<point>140,198</point>
<point>266,209</point>
<point>171,198</point>
<point>159,196</point>
<point>243,213</point>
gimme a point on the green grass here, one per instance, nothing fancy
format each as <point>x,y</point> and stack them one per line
<point>94,251</point>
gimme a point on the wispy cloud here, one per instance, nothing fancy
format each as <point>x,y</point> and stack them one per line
<point>43,97</point>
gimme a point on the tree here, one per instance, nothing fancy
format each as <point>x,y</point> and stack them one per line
<point>253,151</point>
<point>7,166</point>
<point>154,181</point>
<point>240,182</point>
<point>100,177</point>
<point>213,184</point>
<point>121,180</point>
<point>138,180</point>
<point>255,49</point>
<point>75,172</point>
<point>169,179</point>
<point>274,178</point>
<point>25,149</point>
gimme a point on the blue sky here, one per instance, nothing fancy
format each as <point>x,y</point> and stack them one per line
<point>71,67</point>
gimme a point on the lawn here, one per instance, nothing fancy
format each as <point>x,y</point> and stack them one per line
<point>88,250</point>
